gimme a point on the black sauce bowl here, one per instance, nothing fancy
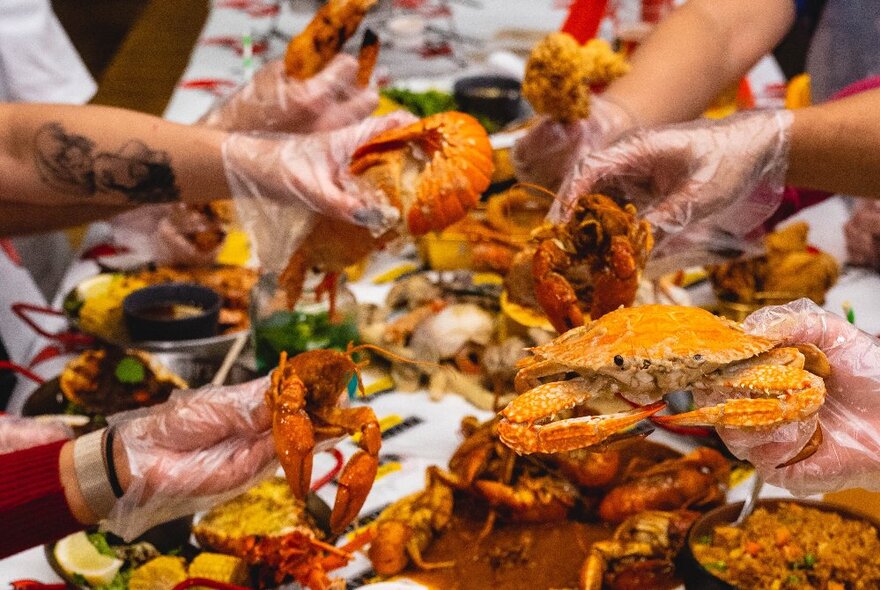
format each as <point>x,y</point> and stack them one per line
<point>697,576</point>
<point>145,326</point>
<point>498,98</point>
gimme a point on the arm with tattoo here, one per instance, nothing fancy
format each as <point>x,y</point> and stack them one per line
<point>54,158</point>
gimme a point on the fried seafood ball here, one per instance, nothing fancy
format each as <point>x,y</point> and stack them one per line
<point>560,74</point>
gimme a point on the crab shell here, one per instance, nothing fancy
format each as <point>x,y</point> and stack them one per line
<point>433,171</point>
<point>649,350</point>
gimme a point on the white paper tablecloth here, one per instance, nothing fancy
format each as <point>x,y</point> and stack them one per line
<point>429,434</point>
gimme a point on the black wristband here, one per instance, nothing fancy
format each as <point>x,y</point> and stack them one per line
<point>110,464</point>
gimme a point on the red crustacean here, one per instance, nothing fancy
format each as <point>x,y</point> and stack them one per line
<point>303,398</point>
<point>699,479</point>
<point>590,265</point>
<point>433,171</point>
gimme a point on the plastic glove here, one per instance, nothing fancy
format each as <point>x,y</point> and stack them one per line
<point>199,448</point>
<point>281,184</point>
<point>172,234</point>
<point>271,101</point>
<point>863,235</point>
<point>719,181</point>
<point>849,455</point>
<point>23,433</point>
<point>550,149</point>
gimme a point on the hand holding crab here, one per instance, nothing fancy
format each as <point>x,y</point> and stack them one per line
<point>642,353</point>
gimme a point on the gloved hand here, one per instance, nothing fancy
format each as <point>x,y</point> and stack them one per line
<point>849,455</point>
<point>863,235</point>
<point>170,233</point>
<point>271,101</point>
<point>281,184</point>
<point>719,181</point>
<point>23,433</point>
<point>199,448</point>
<point>551,149</point>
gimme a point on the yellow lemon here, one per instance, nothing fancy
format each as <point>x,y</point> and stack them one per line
<point>76,555</point>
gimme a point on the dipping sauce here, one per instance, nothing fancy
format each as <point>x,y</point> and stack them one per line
<point>169,311</point>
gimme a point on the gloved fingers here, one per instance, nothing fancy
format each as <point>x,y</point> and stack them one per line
<point>195,419</point>
<point>207,471</point>
<point>356,108</point>
<point>545,154</point>
<point>23,433</point>
<point>337,82</point>
<point>802,321</point>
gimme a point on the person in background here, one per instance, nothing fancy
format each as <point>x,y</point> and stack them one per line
<point>707,187</point>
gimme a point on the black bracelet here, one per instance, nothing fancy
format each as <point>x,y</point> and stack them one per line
<point>111,466</point>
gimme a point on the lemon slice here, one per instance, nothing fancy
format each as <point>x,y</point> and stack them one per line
<point>76,555</point>
<point>96,286</point>
<point>162,573</point>
<point>525,316</point>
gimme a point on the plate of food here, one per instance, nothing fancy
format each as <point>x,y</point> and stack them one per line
<point>497,519</point>
<point>95,305</point>
<point>785,544</point>
<point>260,539</point>
<point>101,382</point>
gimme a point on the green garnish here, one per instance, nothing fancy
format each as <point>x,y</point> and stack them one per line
<point>120,581</point>
<point>422,104</point>
<point>792,580</point>
<point>101,544</point>
<point>716,565</point>
<point>704,539</point>
<point>130,370</point>
<point>806,563</point>
<point>78,579</point>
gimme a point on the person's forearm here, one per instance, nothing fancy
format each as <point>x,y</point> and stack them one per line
<point>61,156</point>
<point>835,146</point>
<point>697,52</point>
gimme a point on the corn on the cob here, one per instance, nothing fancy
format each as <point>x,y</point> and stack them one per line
<point>219,567</point>
<point>161,573</point>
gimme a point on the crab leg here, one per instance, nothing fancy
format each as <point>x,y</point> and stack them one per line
<point>775,394</point>
<point>572,433</point>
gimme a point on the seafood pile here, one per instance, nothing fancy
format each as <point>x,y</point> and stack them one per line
<point>642,353</point>
<point>585,267</point>
<point>512,490</point>
<point>561,74</point>
<point>271,530</point>
<point>452,326</point>
<point>789,269</point>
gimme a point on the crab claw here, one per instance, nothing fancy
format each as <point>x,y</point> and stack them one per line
<point>356,479</point>
<point>294,444</point>
<point>571,433</point>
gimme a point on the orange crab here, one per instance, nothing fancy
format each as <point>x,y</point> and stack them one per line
<point>303,398</point>
<point>433,171</point>
<point>644,352</point>
<point>592,264</point>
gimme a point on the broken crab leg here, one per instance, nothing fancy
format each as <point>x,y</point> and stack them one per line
<point>573,433</point>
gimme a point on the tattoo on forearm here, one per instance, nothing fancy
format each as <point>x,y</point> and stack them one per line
<point>70,163</point>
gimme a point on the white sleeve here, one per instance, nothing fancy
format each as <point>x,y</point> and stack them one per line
<point>38,63</point>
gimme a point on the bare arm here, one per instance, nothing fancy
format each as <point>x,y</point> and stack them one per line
<point>698,51</point>
<point>835,146</point>
<point>96,161</point>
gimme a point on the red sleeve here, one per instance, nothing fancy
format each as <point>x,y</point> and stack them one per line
<point>33,508</point>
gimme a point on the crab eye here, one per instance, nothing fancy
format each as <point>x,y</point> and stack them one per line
<point>698,357</point>
<point>618,360</point>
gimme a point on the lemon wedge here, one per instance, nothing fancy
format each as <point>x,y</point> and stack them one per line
<point>76,555</point>
<point>162,573</point>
